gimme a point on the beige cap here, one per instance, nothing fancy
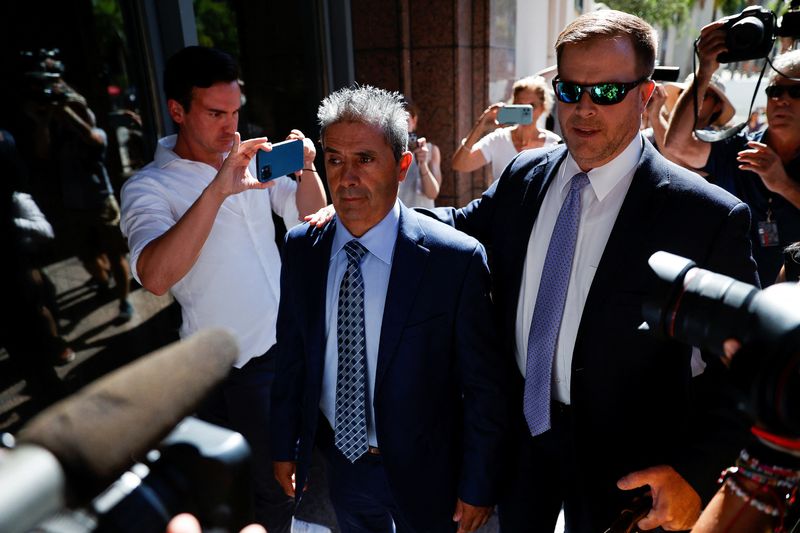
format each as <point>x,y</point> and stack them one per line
<point>675,88</point>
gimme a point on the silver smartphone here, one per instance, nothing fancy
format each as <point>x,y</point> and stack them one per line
<point>515,114</point>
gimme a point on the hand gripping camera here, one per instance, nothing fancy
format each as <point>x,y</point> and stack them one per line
<point>750,34</point>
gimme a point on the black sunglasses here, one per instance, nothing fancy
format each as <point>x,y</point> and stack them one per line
<point>606,93</point>
<point>776,91</point>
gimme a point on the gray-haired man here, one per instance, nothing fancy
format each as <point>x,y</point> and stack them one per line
<point>388,333</point>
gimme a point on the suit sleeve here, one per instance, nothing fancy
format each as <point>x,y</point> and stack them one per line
<point>287,387</point>
<point>476,219</point>
<point>719,429</point>
<point>482,381</point>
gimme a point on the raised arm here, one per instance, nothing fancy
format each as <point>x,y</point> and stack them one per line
<point>168,258</point>
<point>310,196</point>
<point>679,137</point>
<point>467,158</point>
<point>429,160</point>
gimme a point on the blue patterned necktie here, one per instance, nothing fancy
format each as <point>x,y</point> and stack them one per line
<point>350,435</point>
<point>549,309</point>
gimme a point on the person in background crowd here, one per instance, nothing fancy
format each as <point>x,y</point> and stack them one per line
<point>79,149</point>
<point>30,333</point>
<point>761,168</point>
<point>199,225</point>
<point>424,176</point>
<point>755,122</point>
<point>501,145</point>
<point>715,111</point>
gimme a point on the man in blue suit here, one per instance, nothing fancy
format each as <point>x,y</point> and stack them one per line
<point>600,407</point>
<point>386,346</point>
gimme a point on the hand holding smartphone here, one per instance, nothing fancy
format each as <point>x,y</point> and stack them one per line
<point>515,114</point>
<point>285,158</point>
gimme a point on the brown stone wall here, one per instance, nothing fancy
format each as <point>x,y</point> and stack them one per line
<point>444,55</point>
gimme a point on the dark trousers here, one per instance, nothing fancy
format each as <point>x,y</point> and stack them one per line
<point>360,492</point>
<point>543,476</point>
<point>242,403</point>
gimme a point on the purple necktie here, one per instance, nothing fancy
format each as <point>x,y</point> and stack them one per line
<point>549,309</point>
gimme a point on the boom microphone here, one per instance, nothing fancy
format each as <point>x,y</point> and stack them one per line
<point>97,434</point>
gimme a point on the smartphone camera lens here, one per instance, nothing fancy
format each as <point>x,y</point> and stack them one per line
<point>266,173</point>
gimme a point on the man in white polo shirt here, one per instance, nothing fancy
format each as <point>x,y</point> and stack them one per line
<point>199,225</point>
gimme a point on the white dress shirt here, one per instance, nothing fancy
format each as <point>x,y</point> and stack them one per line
<point>235,282</point>
<point>376,266</point>
<point>600,205</point>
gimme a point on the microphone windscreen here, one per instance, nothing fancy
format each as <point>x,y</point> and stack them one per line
<point>99,432</point>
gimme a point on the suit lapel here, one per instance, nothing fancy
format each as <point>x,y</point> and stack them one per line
<point>537,183</point>
<point>408,267</point>
<point>315,300</point>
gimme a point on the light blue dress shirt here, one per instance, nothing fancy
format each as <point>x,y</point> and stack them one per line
<point>375,269</point>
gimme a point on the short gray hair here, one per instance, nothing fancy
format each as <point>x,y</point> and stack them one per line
<point>368,105</point>
<point>787,63</point>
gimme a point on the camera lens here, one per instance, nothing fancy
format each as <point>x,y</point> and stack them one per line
<point>746,33</point>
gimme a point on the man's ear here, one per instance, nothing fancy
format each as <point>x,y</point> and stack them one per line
<point>647,91</point>
<point>405,163</point>
<point>176,111</point>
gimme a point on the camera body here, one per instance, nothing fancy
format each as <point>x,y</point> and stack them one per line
<point>666,73</point>
<point>42,73</point>
<point>705,309</point>
<point>198,468</point>
<point>748,35</point>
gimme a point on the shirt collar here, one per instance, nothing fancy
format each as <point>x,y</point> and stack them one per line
<point>379,240</point>
<point>165,151</point>
<point>603,179</point>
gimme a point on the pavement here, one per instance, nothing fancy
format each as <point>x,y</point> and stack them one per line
<point>89,322</point>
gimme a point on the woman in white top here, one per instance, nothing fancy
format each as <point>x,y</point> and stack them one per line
<point>501,145</point>
<point>424,176</point>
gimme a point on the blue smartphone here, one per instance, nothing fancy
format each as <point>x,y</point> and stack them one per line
<point>515,114</point>
<point>285,158</point>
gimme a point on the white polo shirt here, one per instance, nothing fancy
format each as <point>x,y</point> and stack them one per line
<point>235,282</point>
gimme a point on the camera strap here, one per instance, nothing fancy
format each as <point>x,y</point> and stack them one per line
<point>712,136</point>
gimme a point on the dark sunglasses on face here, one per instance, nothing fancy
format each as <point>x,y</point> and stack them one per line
<point>776,91</point>
<point>606,93</point>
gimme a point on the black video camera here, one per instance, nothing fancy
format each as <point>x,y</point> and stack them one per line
<point>199,468</point>
<point>751,33</point>
<point>666,73</point>
<point>42,73</point>
<point>704,309</point>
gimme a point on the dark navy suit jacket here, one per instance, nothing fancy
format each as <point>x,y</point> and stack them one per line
<point>634,402</point>
<point>439,399</point>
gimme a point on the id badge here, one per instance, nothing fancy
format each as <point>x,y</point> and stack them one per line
<point>768,234</point>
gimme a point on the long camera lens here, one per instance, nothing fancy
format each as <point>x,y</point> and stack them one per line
<point>704,309</point>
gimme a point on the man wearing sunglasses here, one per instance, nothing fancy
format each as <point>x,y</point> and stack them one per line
<point>762,168</point>
<point>602,411</point>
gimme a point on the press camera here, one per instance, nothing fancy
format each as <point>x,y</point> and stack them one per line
<point>199,468</point>
<point>41,72</point>
<point>705,309</point>
<point>750,34</point>
<point>121,456</point>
